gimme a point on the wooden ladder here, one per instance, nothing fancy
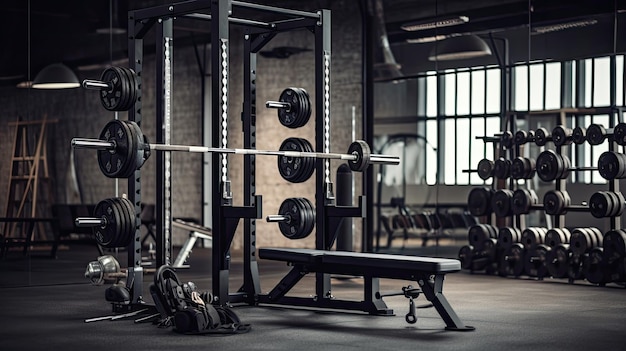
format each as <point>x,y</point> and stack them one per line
<point>29,193</point>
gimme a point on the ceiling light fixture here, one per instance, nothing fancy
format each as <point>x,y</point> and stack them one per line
<point>460,48</point>
<point>563,26</point>
<point>56,76</point>
<point>432,24</point>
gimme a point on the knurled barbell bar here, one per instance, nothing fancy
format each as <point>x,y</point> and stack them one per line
<point>296,218</point>
<point>118,88</point>
<point>294,107</point>
<point>122,148</point>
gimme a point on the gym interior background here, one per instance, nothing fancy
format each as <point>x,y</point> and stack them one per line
<point>550,63</point>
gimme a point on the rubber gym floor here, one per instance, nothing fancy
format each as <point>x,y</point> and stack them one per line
<point>44,304</point>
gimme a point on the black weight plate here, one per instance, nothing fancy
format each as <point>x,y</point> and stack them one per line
<point>614,244</point>
<point>575,267</point>
<point>502,168</point>
<point>611,165</point>
<point>306,107</point>
<point>600,204</point>
<point>521,137</point>
<point>580,241</point>
<point>113,163</point>
<point>620,203</point>
<point>299,115</point>
<point>466,255</point>
<point>518,168</point>
<point>557,261</point>
<point>126,234</point>
<point>130,166</point>
<point>541,136</point>
<point>293,227</point>
<point>310,218</point>
<point>566,167</point>
<point>132,88</point>
<point>554,203</point>
<point>516,257</point>
<point>594,267</point>
<point>490,249</point>
<point>507,139</point>
<point>142,149</point>
<point>107,234</point>
<point>619,134</point>
<point>288,117</point>
<point>308,161</point>
<point>362,150</point>
<point>293,169</point>
<point>111,98</point>
<point>126,93</point>
<point>561,135</point>
<point>132,216</point>
<point>522,201</point>
<point>508,236</point>
<point>549,165</point>
<point>485,169</point>
<point>479,201</point>
<point>476,236</point>
<point>501,202</point>
<point>596,134</point>
<point>535,261</point>
<point>557,236</point>
<point>599,236</point>
<point>579,135</point>
<point>531,237</point>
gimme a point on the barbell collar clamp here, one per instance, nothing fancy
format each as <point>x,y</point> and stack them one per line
<point>89,222</point>
<point>96,85</point>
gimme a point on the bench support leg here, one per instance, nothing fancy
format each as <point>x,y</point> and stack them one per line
<point>432,289</point>
<point>285,284</point>
<point>374,305</point>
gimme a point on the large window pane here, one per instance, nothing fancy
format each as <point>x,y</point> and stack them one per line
<point>463,93</point>
<point>602,80</point>
<point>477,146</point>
<point>431,96</point>
<point>553,86</point>
<point>478,92</point>
<point>463,150</point>
<point>431,155</point>
<point>493,91</point>
<point>450,156</point>
<point>521,88</point>
<point>450,97</point>
<point>536,87</point>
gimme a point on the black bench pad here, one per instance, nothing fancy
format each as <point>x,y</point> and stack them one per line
<point>364,260</point>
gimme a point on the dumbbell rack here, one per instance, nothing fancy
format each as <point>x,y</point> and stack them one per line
<point>560,184</point>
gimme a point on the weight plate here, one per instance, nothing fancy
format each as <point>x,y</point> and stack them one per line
<point>594,267</point>
<point>466,254</point>
<point>128,220</point>
<point>579,135</point>
<point>556,236</point>
<point>288,117</point>
<point>521,137</point>
<point>557,261</point>
<point>124,237</point>
<point>490,250</point>
<point>522,201</point>
<point>535,261</point>
<point>541,136</point>
<point>114,163</point>
<point>310,214</point>
<point>502,168</point>
<point>620,203</point>
<point>580,241</point>
<point>554,202</point>
<point>132,88</point>
<point>509,236</point>
<point>518,168</point>
<point>476,236</point>
<point>110,98</point>
<point>531,237</point>
<point>601,204</point>
<point>362,150</point>
<point>501,202</point>
<point>107,233</point>
<point>485,169</point>
<point>507,139</point>
<point>516,255</point>
<point>596,134</point>
<point>294,226</point>
<point>126,93</point>
<point>614,244</point>
<point>294,169</point>
<point>619,134</point>
<point>612,165</point>
<point>575,267</point>
<point>561,135</point>
<point>306,107</point>
<point>479,201</point>
<point>549,165</point>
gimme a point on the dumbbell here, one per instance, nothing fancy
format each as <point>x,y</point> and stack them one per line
<point>542,136</point>
<point>551,166</point>
<point>507,139</point>
<point>523,201</point>
<point>479,201</point>
<point>557,260</point>
<point>612,165</point>
<point>522,137</point>
<point>523,168</point>
<point>607,204</point>
<point>535,261</point>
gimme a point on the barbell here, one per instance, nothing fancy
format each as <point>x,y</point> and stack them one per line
<point>123,148</point>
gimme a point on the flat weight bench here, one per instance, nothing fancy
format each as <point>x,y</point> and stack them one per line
<point>196,232</point>
<point>427,271</point>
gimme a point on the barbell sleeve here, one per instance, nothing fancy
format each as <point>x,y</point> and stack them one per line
<point>96,84</point>
<point>89,222</point>
<point>96,144</point>
<point>277,218</point>
<point>278,104</point>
